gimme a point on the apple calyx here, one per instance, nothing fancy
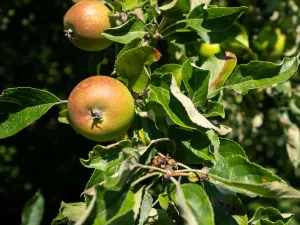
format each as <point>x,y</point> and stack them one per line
<point>96,114</point>
<point>69,33</point>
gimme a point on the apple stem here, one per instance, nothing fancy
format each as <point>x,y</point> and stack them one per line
<point>96,114</point>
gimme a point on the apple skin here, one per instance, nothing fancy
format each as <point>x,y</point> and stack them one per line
<point>208,50</point>
<point>100,108</point>
<point>84,23</point>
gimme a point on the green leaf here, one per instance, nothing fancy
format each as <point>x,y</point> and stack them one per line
<point>131,63</point>
<point>228,208</point>
<point>193,114</point>
<point>137,42</point>
<point>269,215</point>
<point>176,8</point>
<point>141,83</point>
<point>73,211</point>
<point>159,216</point>
<point>196,82</point>
<point>129,4</point>
<point>229,148</point>
<point>60,219</point>
<point>259,74</point>
<point>63,116</point>
<point>96,178</point>
<point>133,28</point>
<point>108,206</point>
<point>220,66</point>
<point>235,40</point>
<point>242,176</point>
<point>179,107</point>
<point>216,19</point>
<point>33,210</point>
<point>107,158</point>
<point>194,205</point>
<point>158,115</point>
<point>146,207</point>
<point>212,109</point>
<point>192,147</point>
<point>174,69</point>
<point>126,171</point>
<point>221,18</point>
<point>20,107</point>
<point>164,200</point>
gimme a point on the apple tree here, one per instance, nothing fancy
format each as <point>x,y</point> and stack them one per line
<point>176,162</point>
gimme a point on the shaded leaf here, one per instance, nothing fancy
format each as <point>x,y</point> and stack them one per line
<point>158,216</point>
<point>212,109</point>
<point>193,147</point>
<point>33,210</point>
<point>19,107</point>
<point>176,8</point>
<point>146,207</point>
<point>174,69</point>
<point>196,82</point>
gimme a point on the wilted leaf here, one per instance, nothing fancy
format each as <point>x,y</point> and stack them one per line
<point>19,107</point>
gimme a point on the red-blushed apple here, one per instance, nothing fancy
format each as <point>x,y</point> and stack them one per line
<point>100,108</point>
<point>84,23</point>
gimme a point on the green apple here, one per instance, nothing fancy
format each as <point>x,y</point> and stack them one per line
<point>208,50</point>
<point>84,23</point>
<point>100,108</point>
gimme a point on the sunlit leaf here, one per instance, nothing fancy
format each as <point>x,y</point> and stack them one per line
<point>20,107</point>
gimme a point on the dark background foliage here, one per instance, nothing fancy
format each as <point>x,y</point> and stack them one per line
<point>34,52</point>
